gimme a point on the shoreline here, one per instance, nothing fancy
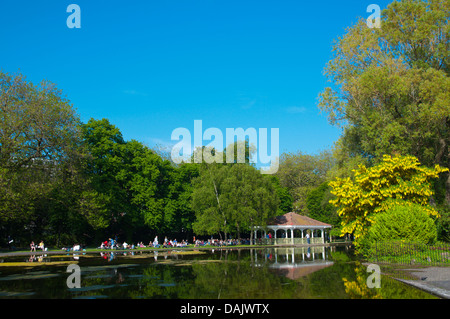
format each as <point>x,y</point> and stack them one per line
<point>150,249</point>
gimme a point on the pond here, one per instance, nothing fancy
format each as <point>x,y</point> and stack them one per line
<point>260,273</point>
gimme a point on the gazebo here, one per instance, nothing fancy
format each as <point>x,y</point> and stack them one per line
<point>311,231</point>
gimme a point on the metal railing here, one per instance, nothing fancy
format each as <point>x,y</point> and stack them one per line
<point>403,253</point>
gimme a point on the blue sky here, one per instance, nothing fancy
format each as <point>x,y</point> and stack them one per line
<point>153,66</point>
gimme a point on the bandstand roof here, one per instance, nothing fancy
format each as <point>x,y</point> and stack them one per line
<point>293,219</point>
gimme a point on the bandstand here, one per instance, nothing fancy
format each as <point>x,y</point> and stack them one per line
<point>292,229</point>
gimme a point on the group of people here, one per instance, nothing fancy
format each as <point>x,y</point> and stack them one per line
<point>174,243</point>
<point>40,246</point>
<point>75,247</point>
<point>114,244</point>
<point>219,243</point>
<point>169,243</point>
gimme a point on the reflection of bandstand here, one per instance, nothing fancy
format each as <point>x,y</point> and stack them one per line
<point>311,231</point>
<point>293,263</point>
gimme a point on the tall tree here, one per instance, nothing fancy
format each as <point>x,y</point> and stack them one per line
<point>232,197</point>
<point>40,150</point>
<point>211,217</point>
<point>301,173</point>
<point>391,85</point>
<point>142,193</point>
<point>108,169</point>
<point>249,198</point>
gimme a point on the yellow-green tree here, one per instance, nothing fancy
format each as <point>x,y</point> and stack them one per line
<point>378,188</point>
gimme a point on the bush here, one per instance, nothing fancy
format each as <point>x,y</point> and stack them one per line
<point>376,189</point>
<point>407,222</point>
<point>443,223</point>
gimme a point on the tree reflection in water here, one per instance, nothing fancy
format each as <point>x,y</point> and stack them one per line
<point>259,273</point>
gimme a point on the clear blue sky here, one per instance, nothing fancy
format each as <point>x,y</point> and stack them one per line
<point>153,66</point>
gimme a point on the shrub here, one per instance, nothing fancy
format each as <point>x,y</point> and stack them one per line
<point>376,189</point>
<point>407,222</point>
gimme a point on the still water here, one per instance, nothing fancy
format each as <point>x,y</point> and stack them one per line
<point>275,273</point>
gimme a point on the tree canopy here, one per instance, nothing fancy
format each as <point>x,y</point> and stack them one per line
<point>233,198</point>
<point>391,85</point>
<point>397,180</point>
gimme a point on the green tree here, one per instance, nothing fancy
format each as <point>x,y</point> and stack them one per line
<point>211,217</point>
<point>376,189</point>
<point>319,207</point>
<point>249,198</point>
<point>285,198</point>
<point>301,173</point>
<point>179,198</point>
<point>108,170</point>
<point>142,193</point>
<point>391,85</point>
<point>232,198</point>
<point>41,160</point>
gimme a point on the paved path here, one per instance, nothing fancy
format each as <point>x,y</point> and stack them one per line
<point>435,280</point>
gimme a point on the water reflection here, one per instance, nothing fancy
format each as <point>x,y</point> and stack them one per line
<point>110,256</point>
<point>293,262</point>
<point>232,273</point>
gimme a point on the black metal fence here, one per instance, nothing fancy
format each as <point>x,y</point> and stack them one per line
<point>412,253</point>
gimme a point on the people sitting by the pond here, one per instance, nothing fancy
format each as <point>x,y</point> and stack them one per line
<point>183,243</point>
<point>32,246</point>
<point>125,245</point>
<point>41,245</point>
<point>141,245</point>
<point>167,244</point>
<point>155,242</point>
<point>76,247</point>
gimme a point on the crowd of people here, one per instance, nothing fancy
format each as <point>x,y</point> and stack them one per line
<point>220,242</point>
<point>114,244</point>
<point>171,243</point>
<point>167,243</point>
